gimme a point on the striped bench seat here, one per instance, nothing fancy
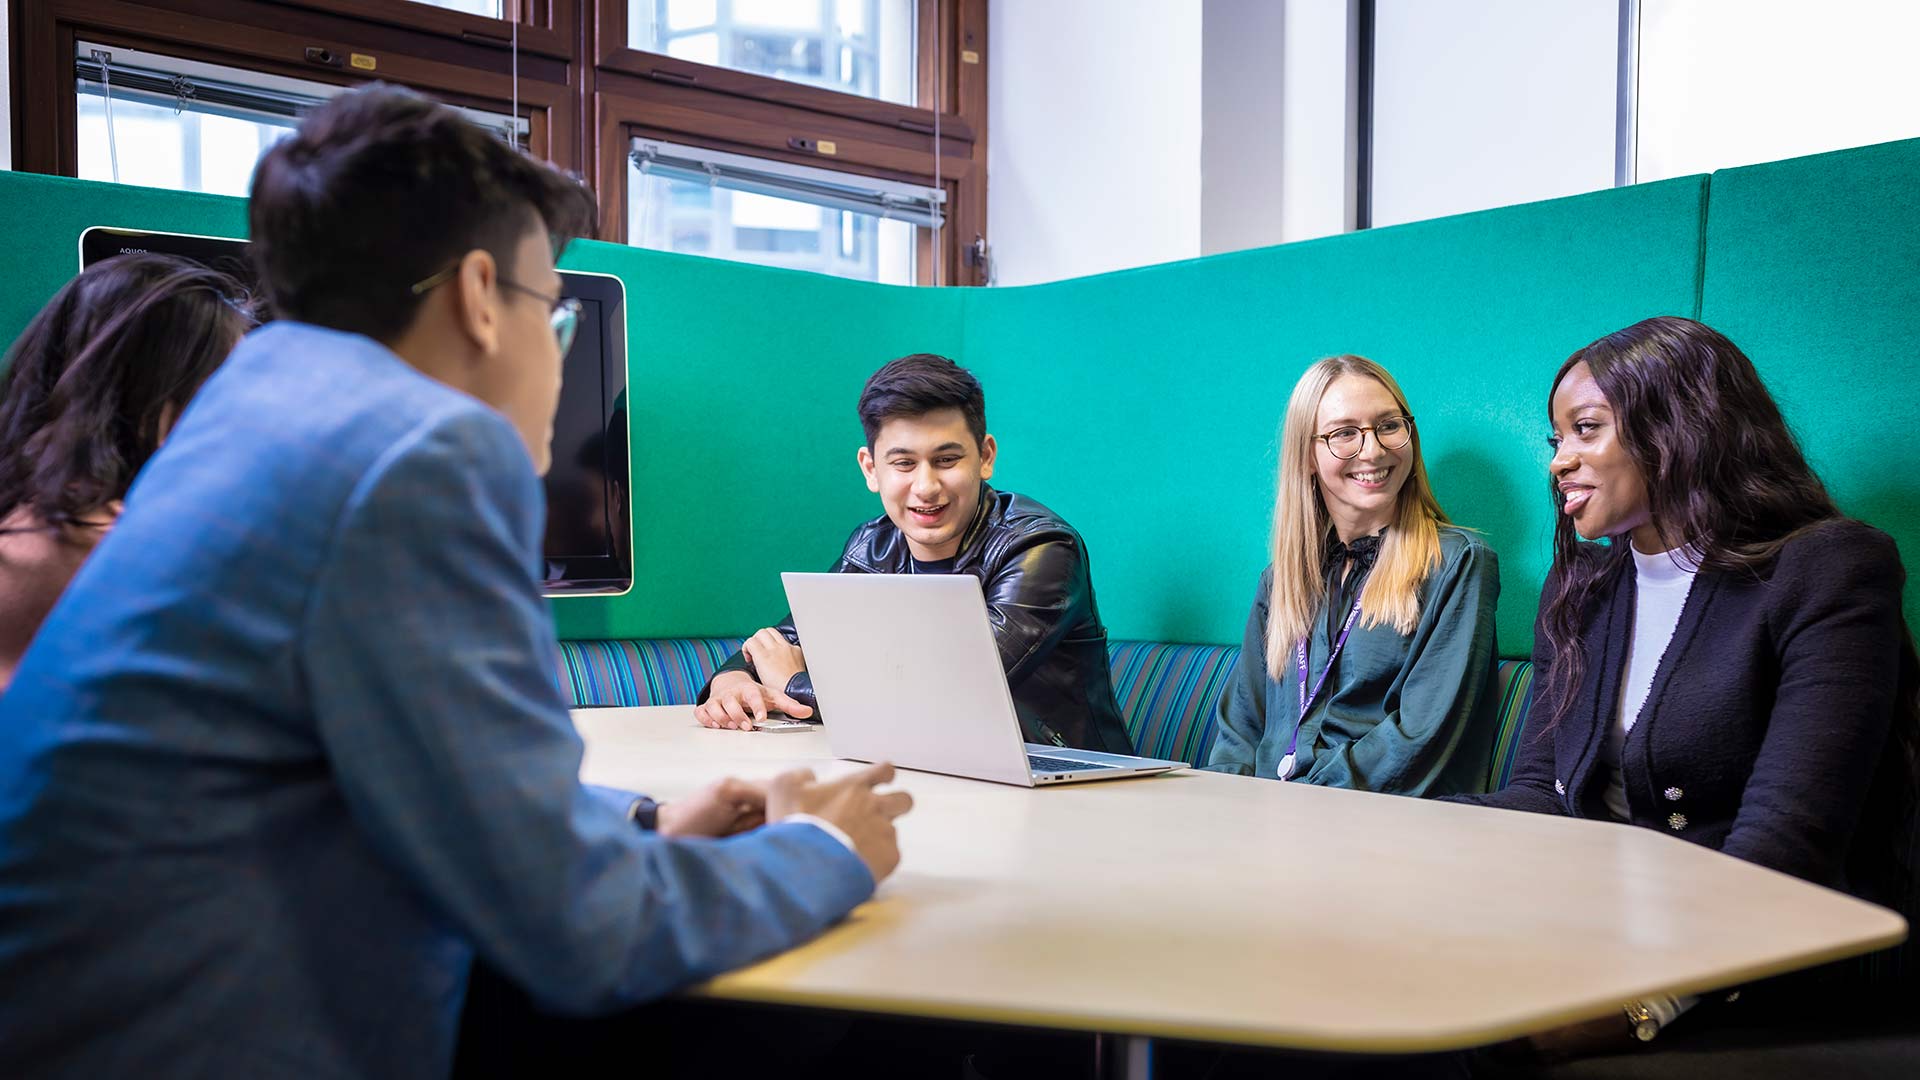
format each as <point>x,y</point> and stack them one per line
<point>1168,693</point>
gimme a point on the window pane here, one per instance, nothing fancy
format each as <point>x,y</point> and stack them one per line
<point>190,150</point>
<point>694,218</point>
<point>699,48</point>
<point>778,14</point>
<point>1726,84</point>
<point>864,47</point>
<point>192,126</point>
<point>490,8</point>
<point>686,14</point>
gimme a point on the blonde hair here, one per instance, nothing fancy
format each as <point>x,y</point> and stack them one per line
<point>1408,553</point>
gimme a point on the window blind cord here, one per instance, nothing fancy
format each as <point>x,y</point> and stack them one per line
<point>513,121</point>
<point>939,96</point>
<point>105,60</point>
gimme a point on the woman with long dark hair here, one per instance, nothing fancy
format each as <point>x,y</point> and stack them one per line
<point>1721,653</point>
<point>88,393</point>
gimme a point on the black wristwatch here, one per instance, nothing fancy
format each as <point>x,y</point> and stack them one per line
<point>645,813</point>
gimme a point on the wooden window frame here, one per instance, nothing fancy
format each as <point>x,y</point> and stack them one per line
<point>677,115</point>
<point>615,55</point>
<point>583,92</point>
<point>640,93</point>
<point>547,27</point>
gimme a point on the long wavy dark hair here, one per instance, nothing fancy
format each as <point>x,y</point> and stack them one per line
<point>1726,476</point>
<point>1722,471</point>
<point>90,383</point>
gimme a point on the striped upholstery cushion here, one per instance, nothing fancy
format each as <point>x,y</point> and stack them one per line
<point>1169,695</point>
<point>1516,696</point>
<point>663,672</point>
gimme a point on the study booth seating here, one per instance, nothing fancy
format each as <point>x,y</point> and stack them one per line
<point>1142,405</point>
<point>1168,694</point>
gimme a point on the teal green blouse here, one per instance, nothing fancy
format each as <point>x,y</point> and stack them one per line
<point>1405,714</point>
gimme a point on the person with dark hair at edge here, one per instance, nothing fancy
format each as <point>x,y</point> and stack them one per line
<point>1720,655</point>
<point>88,392</point>
<point>928,456</point>
<point>289,756</point>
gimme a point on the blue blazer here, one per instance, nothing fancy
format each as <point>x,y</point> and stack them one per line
<point>290,750</point>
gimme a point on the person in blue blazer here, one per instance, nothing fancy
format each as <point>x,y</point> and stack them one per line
<point>288,755</point>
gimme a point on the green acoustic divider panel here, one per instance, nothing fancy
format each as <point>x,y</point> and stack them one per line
<point>743,383</point>
<point>1813,269</point>
<point>1144,405</point>
<point>46,214</point>
<point>742,387</point>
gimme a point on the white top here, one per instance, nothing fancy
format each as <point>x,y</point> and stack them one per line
<point>1661,585</point>
<point>1232,909</point>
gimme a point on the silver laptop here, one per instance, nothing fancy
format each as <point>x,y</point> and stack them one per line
<point>906,670</point>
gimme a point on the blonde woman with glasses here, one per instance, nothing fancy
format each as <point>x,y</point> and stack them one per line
<point>1369,655</point>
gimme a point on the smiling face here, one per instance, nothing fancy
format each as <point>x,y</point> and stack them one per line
<point>1361,492</point>
<point>927,471</point>
<point>1601,486</point>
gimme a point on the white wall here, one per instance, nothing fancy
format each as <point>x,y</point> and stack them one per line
<point>1248,132</point>
<point>1242,136</point>
<point>1248,112</point>
<point>1491,103</point>
<point>1726,83</point>
<point>1094,135</point>
<point>1318,118</point>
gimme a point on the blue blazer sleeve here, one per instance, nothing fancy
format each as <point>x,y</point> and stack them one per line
<point>428,652</point>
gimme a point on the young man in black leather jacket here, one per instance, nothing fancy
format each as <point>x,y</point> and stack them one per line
<point>929,457</point>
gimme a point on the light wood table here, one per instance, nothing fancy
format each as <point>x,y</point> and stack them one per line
<point>1235,910</point>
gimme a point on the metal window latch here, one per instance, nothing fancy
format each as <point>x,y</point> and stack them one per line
<point>979,255</point>
<point>183,93</point>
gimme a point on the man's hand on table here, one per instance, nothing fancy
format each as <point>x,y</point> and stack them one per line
<point>735,700</point>
<point>777,660</point>
<point>722,808</point>
<point>850,804</point>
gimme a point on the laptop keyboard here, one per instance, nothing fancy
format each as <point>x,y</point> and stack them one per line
<point>1041,764</point>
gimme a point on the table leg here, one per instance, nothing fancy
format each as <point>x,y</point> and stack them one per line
<point>1122,1057</point>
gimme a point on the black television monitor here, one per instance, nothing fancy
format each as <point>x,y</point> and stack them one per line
<point>589,541</point>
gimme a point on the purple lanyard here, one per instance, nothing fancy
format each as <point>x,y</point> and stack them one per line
<point>1308,697</point>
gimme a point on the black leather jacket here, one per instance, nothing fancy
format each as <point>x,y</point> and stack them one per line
<point>1039,591</point>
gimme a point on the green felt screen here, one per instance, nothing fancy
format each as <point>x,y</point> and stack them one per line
<point>743,383</point>
<point>1813,269</point>
<point>42,218</point>
<point>1143,405</point>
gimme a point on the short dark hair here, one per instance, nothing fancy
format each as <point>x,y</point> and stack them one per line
<point>917,385</point>
<point>87,384</point>
<point>381,188</point>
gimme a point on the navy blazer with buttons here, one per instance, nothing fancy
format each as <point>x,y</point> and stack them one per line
<point>1766,733</point>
